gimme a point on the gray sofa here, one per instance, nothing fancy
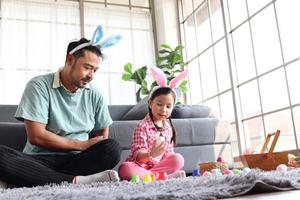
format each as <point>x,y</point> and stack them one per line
<point>201,138</point>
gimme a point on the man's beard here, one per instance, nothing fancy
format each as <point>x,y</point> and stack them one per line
<point>80,83</point>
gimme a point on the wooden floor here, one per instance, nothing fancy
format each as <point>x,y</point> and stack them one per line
<point>287,195</point>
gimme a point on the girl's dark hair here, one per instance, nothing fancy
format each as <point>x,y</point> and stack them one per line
<point>80,52</point>
<point>164,91</point>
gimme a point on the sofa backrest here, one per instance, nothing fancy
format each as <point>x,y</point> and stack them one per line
<point>7,113</point>
<point>125,112</point>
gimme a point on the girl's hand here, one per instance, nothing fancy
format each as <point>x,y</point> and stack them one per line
<point>158,150</point>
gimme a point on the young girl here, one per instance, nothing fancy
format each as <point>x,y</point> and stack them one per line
<point>154,138</point>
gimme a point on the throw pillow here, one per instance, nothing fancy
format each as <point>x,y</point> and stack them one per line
<point>191,111</point>
<point>138,112</point>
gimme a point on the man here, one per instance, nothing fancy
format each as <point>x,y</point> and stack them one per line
<point>59,111</point>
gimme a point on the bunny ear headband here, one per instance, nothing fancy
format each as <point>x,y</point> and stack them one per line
<point>96,40</point>
<point>161,79</point>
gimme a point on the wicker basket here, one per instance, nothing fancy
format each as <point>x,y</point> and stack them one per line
<point>266,161</point>
<point>208,166</point>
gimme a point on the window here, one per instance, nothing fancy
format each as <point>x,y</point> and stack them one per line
<point>255,64</point>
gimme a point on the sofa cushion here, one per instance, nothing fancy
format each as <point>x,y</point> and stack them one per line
<point>137,112</point>
<point>191,111</point>
<point>118,111</point>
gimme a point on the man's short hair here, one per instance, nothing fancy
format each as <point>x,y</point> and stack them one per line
<point>80,52</point>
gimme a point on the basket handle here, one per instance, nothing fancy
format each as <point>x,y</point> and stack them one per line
<point>276,135</point>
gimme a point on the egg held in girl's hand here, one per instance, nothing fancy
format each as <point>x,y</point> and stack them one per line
<point>159,140</point>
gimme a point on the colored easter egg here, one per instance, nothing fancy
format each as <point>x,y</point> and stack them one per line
<point>159,140</point>
<point>237,171</point>
<point>228,172</point>
<point>163,176</point>
<point>207,173</point>
<point>147,178</point>
<point>196,172</point>
<point>220,159</point>
<point>281,167</point>
<point>245,171</point>
<point>135,179</point>
<point>216,172</point>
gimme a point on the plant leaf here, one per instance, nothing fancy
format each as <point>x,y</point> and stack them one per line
<point>177,71</point>
<point>165,46</point>
<point>128,68</point>
<point>163,51</point>
<point>183,86</point>
<point>138,95</point>
<point>169,60</point>
<point>164,66</point>
<point>153,84</point>
<point>177,58</point>
<point>179,48</point>
<point>126,77</point>
<point>139,75</point>
<point>144,88</point>
<point>178,103</point>
<point>144,91</point>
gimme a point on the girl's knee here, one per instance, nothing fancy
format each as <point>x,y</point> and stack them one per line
<point>177,160</point>
<point>125,170</point>
<point>124,167</point>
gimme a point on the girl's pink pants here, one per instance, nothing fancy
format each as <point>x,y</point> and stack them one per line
<point>169,165</point>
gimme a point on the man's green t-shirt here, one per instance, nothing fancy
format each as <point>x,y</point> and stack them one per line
<point>71,115</point>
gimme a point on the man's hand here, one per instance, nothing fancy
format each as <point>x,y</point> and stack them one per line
<point>38,135</point>
<point>87,144</point>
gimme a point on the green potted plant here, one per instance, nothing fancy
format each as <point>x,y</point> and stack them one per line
<point>169,60</point>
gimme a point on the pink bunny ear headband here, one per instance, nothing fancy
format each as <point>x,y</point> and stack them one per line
<point>161,80</point>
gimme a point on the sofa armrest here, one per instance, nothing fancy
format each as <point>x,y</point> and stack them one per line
<point>13,135</point>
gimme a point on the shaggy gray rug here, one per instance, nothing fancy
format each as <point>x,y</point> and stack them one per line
<point>187,188</point>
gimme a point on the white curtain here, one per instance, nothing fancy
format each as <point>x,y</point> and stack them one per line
<point>34,35</point>
<point>33,40</point>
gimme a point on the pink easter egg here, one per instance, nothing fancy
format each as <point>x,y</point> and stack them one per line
<point>206,173</point>
<point>294,163</point>
<point>220,159</point>
<point>228,172</point>
<point>281,167</point>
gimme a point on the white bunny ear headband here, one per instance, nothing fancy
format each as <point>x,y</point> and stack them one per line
<point>161,80</point>
<point>96,40</point>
